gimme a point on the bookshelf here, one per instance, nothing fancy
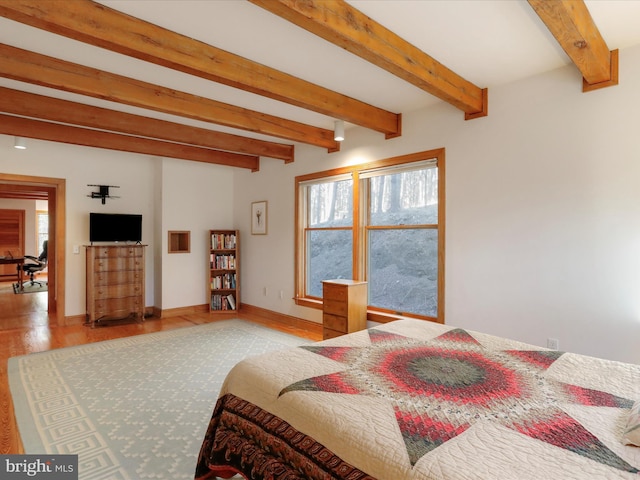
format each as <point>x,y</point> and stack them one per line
<point>224,268</point>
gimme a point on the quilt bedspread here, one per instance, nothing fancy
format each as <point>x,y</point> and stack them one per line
<point>418,400</point>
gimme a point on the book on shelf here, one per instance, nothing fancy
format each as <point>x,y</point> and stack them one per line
<point>224,282</point>
<point>231,301</point>
<point>223,241</point>
<point>223,302</point>
<point>222,262</point>
<point>218,302</point>
<point>224,270</point>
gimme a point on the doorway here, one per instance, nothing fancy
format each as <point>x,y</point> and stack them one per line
<point>22,309</point>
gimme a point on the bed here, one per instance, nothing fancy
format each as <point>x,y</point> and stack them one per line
<point>418,400</point>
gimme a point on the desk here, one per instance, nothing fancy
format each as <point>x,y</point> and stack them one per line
<point>18,263</point>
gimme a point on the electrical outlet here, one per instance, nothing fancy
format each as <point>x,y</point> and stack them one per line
<point>553,343</point>
<point>265,292</point>
<point>281,294</point>
<point>76,249</point>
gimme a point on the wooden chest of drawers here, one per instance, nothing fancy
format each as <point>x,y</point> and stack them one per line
<point>344,307</point>
<point>115,282</point>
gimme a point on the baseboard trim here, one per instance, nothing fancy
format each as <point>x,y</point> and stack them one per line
<point>176,312</point>
<point>314,327</point>
<point>245,309</point>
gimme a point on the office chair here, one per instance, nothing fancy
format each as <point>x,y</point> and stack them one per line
<point>37,264</point>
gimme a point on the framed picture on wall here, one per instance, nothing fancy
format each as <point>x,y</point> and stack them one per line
<point>259,218</point>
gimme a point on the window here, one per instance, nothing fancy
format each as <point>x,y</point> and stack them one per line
<point>329,229</point>
<point>42,229</point>
<point>380,222</point>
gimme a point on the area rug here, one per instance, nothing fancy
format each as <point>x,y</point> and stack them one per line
<point>133,408</point>
<point>28,287</point>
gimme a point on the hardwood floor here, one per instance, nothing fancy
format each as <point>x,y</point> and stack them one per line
<point>24,329</point>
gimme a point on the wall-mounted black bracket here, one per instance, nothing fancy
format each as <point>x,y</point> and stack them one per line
<point>103,192</point>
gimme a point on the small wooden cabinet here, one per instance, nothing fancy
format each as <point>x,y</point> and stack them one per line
<point>344,307</point>
<point>115,282</point>
<point>224,271</point>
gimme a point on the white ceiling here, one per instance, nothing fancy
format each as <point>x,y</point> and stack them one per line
<point>488,42</point>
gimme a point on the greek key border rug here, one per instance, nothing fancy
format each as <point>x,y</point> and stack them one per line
<point>132,408</point>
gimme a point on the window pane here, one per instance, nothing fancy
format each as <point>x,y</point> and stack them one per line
<point>330,204</point>
<point>405,198</point>
<point>329,257</point>
<point>403,270</point>
<point>42,229</point>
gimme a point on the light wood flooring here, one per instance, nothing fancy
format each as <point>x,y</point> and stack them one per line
<point>24,328</point>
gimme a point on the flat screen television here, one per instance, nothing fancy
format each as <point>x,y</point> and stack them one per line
<point>115,227</point>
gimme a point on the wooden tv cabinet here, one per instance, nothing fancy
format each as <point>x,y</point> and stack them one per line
<point>115,282</point>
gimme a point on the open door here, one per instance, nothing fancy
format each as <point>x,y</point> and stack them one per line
<point>54,190</point>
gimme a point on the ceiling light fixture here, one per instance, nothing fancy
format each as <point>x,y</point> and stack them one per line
<point>20,143</point>
<point>338,130</point>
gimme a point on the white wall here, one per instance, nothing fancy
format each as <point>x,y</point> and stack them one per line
<point>543,212</point>
<point>81,166</point>
<point>267,260</point>
<point>196,197</point>
<point>170,194</point>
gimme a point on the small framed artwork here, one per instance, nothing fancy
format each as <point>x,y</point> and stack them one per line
<point>259,218</point>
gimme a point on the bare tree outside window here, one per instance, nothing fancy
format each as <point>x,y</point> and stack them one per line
<point>329,238</point>
<point>42,228</point>
<point>395,240</point>
<point>402,241</point>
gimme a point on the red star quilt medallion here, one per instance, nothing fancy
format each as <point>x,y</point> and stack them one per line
<point>440,388</point>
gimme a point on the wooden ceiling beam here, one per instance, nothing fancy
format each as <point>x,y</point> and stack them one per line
<point>570,22</point>
<point>32,105</point>
<point>55,132</point>
<point>99,25</point>
<point>339,23</point>
<point>34,68</point>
